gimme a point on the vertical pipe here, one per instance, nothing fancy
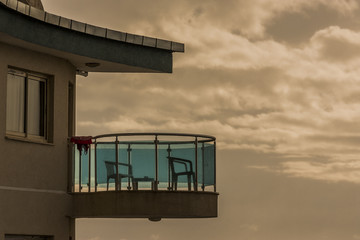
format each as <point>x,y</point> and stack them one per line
<point>79,170</point>
<point>89,162</point>
<point>214,165</point>
<point>129,173</point>
<point>196,164</point>
<point>117,164</point>
<point>69,164</point>
<point>95,162</point>
<point>156,164</point>
<point>169,154</point>
<point>73,167</point>
<point>203,165</point>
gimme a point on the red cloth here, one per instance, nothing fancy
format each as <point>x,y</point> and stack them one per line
<point>82,142</point>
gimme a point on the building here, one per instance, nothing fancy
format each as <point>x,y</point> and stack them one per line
<point>45,181</point>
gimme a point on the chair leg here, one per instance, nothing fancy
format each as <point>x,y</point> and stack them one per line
<point>189,182</point>
<point>119,184</point>
<point>175,182</point>
<point>134,185</point>
<point>107,186</point>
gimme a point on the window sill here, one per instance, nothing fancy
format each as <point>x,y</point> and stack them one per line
<point>28,140</point>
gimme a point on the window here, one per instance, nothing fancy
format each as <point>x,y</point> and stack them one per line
<point>26,105</point>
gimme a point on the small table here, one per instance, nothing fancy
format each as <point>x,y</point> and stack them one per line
<point>143,179</point>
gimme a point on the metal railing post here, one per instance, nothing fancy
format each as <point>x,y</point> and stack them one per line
<point>89,162</point>
<point>71,167</point>
<point>203,166</point>
<point>95,162</point>
<point>73,170</point>
<point>196,164</point>
<point>214,165</point>
<point>129,157</point>
<point>117,165</point>
<point>169,154</point>
<point>80,171</point>
<point>156,164</point>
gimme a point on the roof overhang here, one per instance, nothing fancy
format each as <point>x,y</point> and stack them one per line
<point>88,48</point>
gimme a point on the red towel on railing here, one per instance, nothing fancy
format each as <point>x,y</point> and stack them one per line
<point>82,142</point>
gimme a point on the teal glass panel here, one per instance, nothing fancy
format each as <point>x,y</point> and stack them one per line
<point>84,169</point>
<point>143,160</point>
<point>164,170</point>
<point>105,153</point>
<point>209,165</point>
<point>200,169</point>
<point>76,167</point>
<point>81,169</point>
<point>93,166</point>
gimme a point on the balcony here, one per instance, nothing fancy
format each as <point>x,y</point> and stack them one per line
<point>145,175</point>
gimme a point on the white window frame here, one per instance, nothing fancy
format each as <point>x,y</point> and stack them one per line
<point>43,121</point>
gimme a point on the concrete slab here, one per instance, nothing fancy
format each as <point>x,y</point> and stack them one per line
<point>145,204</point>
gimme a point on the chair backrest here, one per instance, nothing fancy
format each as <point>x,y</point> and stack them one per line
<point>180,161</point>
<point>110,168</point>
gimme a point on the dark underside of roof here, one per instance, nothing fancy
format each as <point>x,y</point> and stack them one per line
<point>80,48</point>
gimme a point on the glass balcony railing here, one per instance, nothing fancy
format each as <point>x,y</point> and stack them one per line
<point>144,161</point>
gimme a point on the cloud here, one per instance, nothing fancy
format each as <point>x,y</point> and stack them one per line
<point>155,237</point>
<point>337,44</point>
<point>356,236</point>
<point>98,238</point>
<point>250,227</point>
<point>348,171</point>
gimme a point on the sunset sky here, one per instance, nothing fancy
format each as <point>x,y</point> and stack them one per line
<point>276,81</point>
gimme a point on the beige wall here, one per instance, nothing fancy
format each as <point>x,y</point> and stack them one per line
<point>33,176</point>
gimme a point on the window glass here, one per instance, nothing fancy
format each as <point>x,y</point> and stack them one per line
<point>36,108</point>
<point>15,103</point>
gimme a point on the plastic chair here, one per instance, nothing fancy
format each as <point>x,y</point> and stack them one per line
<point>111,173</point>
<point>176,163</point>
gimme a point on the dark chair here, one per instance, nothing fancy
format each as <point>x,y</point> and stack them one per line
<point>111,172</point>
<point>186,170</point>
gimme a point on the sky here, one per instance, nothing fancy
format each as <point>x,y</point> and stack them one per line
<point>275,81</point>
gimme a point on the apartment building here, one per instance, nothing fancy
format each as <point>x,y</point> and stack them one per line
<point>49,177</point>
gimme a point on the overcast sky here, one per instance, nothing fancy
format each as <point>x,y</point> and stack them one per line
<point>276,81</point>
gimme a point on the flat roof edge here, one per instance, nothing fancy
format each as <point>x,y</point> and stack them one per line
<point>92,29</point>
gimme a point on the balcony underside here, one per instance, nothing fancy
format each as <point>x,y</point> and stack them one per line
<point>145,204</point>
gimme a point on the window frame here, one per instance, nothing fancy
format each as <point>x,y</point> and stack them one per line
<point>44,123</point>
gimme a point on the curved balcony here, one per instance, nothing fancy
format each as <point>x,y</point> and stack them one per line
<point>153,175</point>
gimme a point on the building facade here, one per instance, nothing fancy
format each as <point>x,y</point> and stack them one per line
<point>43,186</point>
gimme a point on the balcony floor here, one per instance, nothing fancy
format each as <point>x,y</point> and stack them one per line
<point>145,204</point>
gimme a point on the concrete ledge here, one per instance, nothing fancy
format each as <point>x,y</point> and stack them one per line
<point>145,204</point>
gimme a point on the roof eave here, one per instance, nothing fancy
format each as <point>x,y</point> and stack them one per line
<point>82,43</point>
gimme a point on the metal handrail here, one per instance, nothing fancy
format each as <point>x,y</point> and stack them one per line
<point>156,133</point>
